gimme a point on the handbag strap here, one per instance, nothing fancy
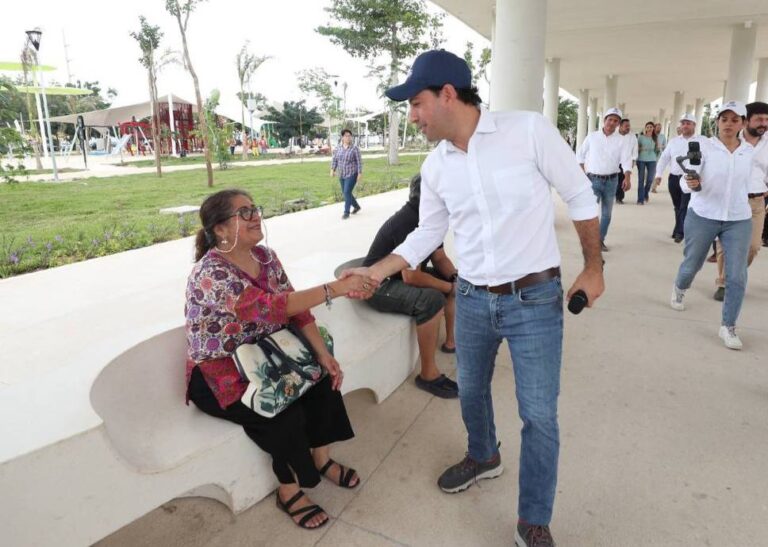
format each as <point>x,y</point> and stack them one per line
<point>270,348</point>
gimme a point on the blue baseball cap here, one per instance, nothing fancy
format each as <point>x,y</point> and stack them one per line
<point>433,69</point>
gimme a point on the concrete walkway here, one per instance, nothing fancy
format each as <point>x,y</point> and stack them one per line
<point>663,430</point>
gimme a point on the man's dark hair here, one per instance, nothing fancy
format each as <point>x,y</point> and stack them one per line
<point>623,120</point>
<point>465,95</point>
<point>345,131</point>
<point>758,107</point>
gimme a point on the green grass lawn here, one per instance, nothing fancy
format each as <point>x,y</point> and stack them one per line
<point>49,224</point>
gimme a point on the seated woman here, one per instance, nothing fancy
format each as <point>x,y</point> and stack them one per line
<point>238,291</point>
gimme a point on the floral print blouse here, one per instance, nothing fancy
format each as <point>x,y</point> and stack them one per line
<point>226,307</point>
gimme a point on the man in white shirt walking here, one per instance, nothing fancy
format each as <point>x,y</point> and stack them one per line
<point>678,146</point>
<point>599,155</point>
<point>490,180</point>
<point>754,134</point>
<point>625,130</point>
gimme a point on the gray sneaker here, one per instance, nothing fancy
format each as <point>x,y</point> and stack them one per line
<point>529,535</point>
<point>462,475</point>
<point>676,300</point>
<point>719,294</point>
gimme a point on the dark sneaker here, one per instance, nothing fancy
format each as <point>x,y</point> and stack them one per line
<point>442,386</point>
<point>719,294</point>
<point>529,535</point>
<point>345,216</point>
<point>678,239</point>
<point>603,247</point>
<point>462,475</point>
<point>355,210</point>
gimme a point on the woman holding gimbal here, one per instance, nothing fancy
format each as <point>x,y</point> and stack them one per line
<point>719,209</point>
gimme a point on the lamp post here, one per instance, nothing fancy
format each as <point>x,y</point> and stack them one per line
<point>34,37</point>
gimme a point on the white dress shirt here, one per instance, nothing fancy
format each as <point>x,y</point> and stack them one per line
<point>601,154</point>
<point>758,182</point>
<point>678,146</point>
<point>497,198</point>
<point>725,179</point>
<point>631,142</point>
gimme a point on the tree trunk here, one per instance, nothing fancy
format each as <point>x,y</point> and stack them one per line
<point>32,130</point>
<point>155,117</point>
<point>200,112</point>
<point>394,124</point>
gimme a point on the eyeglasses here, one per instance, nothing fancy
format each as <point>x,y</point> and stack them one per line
<point>247,213</point>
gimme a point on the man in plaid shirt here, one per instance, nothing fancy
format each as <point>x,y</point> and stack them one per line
<point>349,164</point>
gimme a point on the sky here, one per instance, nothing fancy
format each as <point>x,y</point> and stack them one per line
<point>100,47</point>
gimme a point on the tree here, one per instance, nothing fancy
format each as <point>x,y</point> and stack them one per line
<point>149,37</point>
<point>567,116</point>
<point>28,60</point>
<point>393,30</point>
<point>478,68</point>
<point>294,120</point>
<point>317,82</point>
<point>247,63</point>
<point>182,11</point>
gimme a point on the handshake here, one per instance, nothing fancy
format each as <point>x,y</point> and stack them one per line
<point>358,283</point>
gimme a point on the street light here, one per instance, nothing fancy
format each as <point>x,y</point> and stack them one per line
<point>34,36</point>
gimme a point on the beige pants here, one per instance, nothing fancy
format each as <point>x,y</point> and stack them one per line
<point>758,218</point>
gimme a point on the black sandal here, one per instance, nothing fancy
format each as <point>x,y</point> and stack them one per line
<point>311,510</point>
<point>345,475</point>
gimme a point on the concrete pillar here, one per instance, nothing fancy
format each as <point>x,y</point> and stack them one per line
<point>623,108</point>
<point>551,89</point>
<point>688,109</point>
<point>518,58</point>
<point>740,64</point>
<point>611,87</point>
<point>725,89</point>
<point>662,118</point>
<point>594,121</point>
<point>699,114</point>
<point>583,120</point>
<point>762,80</point>
<point>677,109</point>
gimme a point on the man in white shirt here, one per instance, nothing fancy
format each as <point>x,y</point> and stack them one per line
<point>678,146</point>
<point>490,179</point>
<point>754,134</point>
<point>625,128</point>
<point>599,155</point>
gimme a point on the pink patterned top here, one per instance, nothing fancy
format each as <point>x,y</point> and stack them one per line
<point>226,307</point>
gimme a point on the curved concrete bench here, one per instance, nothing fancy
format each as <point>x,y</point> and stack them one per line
<point>96,433</point>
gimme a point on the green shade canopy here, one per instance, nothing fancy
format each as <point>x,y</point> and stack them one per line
<point>18,67</point>
<point>54,90</point>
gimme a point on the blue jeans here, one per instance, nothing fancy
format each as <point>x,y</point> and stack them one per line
<point>605,190</point>
<point>347,185</point>
<point>531,322</point>
<point>680,202</point>
<point>646,171</point>
<point>734,236</point>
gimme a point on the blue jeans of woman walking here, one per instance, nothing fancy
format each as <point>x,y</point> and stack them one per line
<point>347,185</point>
<point>531,322</point>
<point>646,171</point>
<point>734,236</point>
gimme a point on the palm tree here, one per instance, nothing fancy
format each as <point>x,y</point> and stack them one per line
<point>247,63</point>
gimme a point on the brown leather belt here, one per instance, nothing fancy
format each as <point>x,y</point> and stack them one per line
<point>523,282</point>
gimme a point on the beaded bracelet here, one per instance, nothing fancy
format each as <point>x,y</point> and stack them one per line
<point>328,300</point>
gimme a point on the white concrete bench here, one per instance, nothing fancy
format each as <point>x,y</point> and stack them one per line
<point>95,430</point>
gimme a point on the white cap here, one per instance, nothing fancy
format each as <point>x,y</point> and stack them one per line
<point>737,107</point>
<point>687,117</point>
<point>613,112</point>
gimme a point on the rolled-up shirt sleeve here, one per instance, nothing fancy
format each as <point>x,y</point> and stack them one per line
<point>581,153</point>
<point>627,153</point>
<point>557,164</point>
<point>664,159</point>
<point>433,225</point>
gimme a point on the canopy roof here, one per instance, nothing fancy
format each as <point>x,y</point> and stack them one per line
<point>110,117</point>
<point>655,47</point>
<point>54,90</point>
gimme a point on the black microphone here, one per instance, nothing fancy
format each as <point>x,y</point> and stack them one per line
<point>577,302</point>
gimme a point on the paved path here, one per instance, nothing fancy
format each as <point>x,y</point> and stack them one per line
<point>664,435</point>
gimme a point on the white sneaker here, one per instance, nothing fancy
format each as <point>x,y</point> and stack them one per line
<point>731,340</point>
<point>676,300</point>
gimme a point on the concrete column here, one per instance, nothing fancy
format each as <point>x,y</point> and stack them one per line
<point>725,90</point>
<point>762,80</point>
<point>594,121</point>
<point>583,120</point>
<point>688,109</point>
<point>677,109</point>
<point>551,89</point>
<point>662,117</point>
<point>611,86</point>
<point>699,114</point>
<point>623,108</point>
<point>740,64</point>
<point>518,59</point>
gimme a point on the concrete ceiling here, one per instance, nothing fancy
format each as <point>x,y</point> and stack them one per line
<point>655,47</point>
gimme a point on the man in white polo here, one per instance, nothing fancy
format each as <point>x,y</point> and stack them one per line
<point>678,146</point>
<point>599,155</point>
<point>490,179</point>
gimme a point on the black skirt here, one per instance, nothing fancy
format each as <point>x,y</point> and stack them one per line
<point>318,418</point>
